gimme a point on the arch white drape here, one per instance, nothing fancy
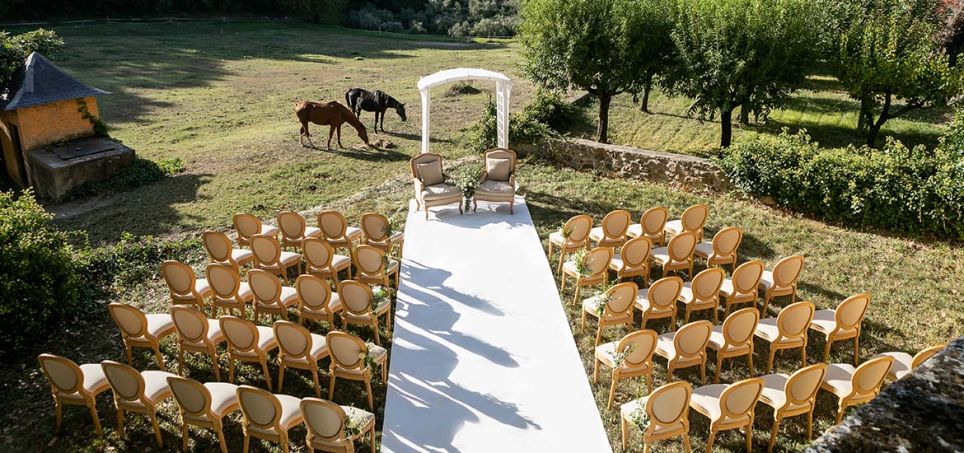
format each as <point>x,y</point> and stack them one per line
<point>503,92</point>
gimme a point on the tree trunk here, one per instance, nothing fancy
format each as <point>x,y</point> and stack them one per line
<point>726,124</point>
<point>874,127</point>
<point>864,107</point>
<point>744,116</point>
<point>603,132</point>
<point>647,87</point>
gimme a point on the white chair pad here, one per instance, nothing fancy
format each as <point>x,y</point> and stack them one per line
<point>495,188</point>
<point>839,378</point>
<point>674,226</point>
<point>94,379</point>
<point>159,324</point>
<point>440,192</point>
<point>707,398</point>
<point>223,396</point>
<point>900,367</point>
<point>704,249</point>
<point>155,384</point>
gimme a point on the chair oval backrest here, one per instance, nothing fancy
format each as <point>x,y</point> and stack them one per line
<point>694,217</point>
<point>500,153</point>
<point>374,226</point>
<point>803,384</point>
<point>333,225</point>
<point>597,260</point>
<point>668,404</point>
<point>636,252</point>
<point>642,344</point>
<point>616,223</point>
<point>621,298</point>
<point>323,419</point>
<point>664,292</point>
<point>681,246</point>
<point>191,396</point>
<point>63,374</point>
<point>691,339</point>
<point>870,375</point>
<point>293,339</point>
<point>746,277</point>
<point>787,271</point>
<point>317,252</point>
<point>422,159</point>
<point>314,291</point>
<point>179,277</point>
<point>579,228</point>
<point>355,296</point>
<point>127,383</point>
<point>653,220</point>
<point>218,245</point>
<point>191,324</point>
<point>291,224</point>
<point>246,225</point>
<point>739,326</point>
<point>726,241</point>
<point>850,312</point>
<point>346,349</point>
<point>706,285</point>
<point>740,397</point>
<point>130,320</point>
<point>794,319</point>
<point>266,249</point>
<point>242,335</point>
<point>925,354</point>
<point>224,280</point>
<point>259,407</point>
<point>370,260</point>
<point>265,285</point>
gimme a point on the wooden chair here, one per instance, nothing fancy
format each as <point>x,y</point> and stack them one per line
<point>139,392</point>
<point>685,347</point>
<point>678,254</point>
<point>429,182</point>
<point>741,288</point>
<point>185,288</point>
<point>300,349</point>
<point>782,281</point>
<point>247,225</point>
<point>227,289</point>
<point>692,220</point>
<point>373,268</point>
<point>347,362</point>
<point>327,430</point>
<point>903,362</point>
<point>855,386</point>
<point>651,225</point>
<point>596,263</point>
<point>734,339</point>
<point>139,330</point>
<point>336,231</point>
<point>630,357</point>
<point>498,179</point>
<point>268,256</point>
<point>573,236</point>
<point>722,250</point>
<point>294,229</point>
<point>195,333</point>
<point>612,232</point>
<point>792,395</point>
<point>204,405</point>
<point>315,300</point>
<point>633,259</point>
<point>842,323</point>
<point>667,409</point>
<point>377,233</point>
<point>268,416</point>
<point>221,250</point>
<point>703,293</point>
<point>659,300</point>
<point>613,308</point>
<point>321,260</point>
<point>359,307</point>
<point>787,331</point>
<point>74,385</point>
<point>269,296</point>
<point>728,407</point>
<point>249,343</point>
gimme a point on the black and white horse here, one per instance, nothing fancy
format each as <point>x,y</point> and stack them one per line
<point>373,101</point>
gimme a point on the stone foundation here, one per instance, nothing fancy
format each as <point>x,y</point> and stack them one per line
<point>59,168</point>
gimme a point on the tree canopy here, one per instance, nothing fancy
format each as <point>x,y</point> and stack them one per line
<point>14,49</point>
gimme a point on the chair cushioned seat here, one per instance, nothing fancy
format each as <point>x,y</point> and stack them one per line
<point>223,396</point>
<point>824,322</point>
<point>664,345</point>
<point>201,286</point>
<point>244,291</point>
<point>900,367</point>
<point>674,226</point>
<point>707,398</point>
<point>635,230</point>
<point>289,296</point>
<point>767,329</point>
<point>155,384</point>
<point>312,232</point>
<point>766,280</point>
<point>159,324</point>
<point>269,230</point>
<point>838,378</point>
<point>643,303</point>
<point>726,289</point>
<point>266,341</point>
<point>94,379</point>
<point>606,353</point>
<point>440,192</point>
<point>717,340</point>
<point>290,414</point>
<point>495,188</point>
<point>626,412</point>
<point>241,256</point>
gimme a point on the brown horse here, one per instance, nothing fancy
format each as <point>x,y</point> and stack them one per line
<point>332,114</point>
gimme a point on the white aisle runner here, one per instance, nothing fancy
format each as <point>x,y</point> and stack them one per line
<point>483,359</point>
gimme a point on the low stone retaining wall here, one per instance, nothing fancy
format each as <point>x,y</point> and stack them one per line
<point>633,163</point>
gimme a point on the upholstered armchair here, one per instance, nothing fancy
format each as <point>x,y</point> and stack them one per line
<point>498,178</point>
<point>430,187</point>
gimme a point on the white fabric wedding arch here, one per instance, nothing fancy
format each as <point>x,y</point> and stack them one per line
<point>503,91</point>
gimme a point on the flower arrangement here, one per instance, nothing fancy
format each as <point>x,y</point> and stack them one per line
<point>466,178</point>
<point>579,261</point>
<point>620,356</point>
<point>640,418</point>
<point>380,295</point>
<point>603,296</point>
<point>352,427</point>
<point>566,230</point>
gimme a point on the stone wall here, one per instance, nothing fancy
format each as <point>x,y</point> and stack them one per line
<point>924,411</point>
<point>632,163</point>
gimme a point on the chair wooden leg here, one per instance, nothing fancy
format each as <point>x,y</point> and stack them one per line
<point>221,441</point>
<point>575,296</point>
<point>130,356</point>
<point>96,417</point>
<point>803,356</point>
<point>368,393</point>
<point>612,393</point>
<point>749,362</point>
<point>157,431</point>
<point>703,371</point>
<point>281,377</point>
<point>331,386</point>
<point>773,434</point>
<point>314,376</point>
<point>214,364</point>
<point>267,375</point>
<point>119,414</point>
<point>719,366</point>
<point>770,361</point>
<point>624,426</point>
<point>709,442</point>
<point>372,440</point>
<point>595,370</point>
<point>159,357</point>
<point>810,425</point>
<point>184,434</point>
<point>856,346</point>
<point>58,416</point>
<point>749,436</point>
<point>840,413</point>
<point>686,443</point>
<point>247,443</point>
<point>826,350</point>
<point>378,339</point>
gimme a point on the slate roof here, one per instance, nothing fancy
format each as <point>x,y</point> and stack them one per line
<point>42,82</point>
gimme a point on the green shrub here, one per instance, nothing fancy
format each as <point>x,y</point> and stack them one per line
<point>131,261</point>
<point>912,190</point>
<point>546,115</point>
<point>39,280</point>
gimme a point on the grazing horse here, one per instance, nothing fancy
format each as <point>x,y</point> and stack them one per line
<point>377,101</point>
<point>332,114</point>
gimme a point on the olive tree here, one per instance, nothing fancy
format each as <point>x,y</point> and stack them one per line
<point>648,27</point>
<point>748,54</point>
